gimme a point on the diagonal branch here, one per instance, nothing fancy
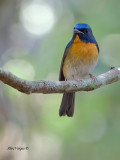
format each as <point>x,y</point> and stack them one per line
<point>48,87</point>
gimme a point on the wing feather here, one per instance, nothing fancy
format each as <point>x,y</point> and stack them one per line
<point>61,75</point>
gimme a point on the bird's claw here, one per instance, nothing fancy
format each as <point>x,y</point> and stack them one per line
<point>93,78</point>
<point>78,80</point>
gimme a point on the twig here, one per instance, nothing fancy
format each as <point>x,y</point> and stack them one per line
<point>47,87</point>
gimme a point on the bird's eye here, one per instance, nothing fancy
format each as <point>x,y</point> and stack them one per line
<point>85,31</point>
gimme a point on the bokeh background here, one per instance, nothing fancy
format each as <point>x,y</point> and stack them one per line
<point>33,36</point>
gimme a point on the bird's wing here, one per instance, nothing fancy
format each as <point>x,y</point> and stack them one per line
<point>61,75</point>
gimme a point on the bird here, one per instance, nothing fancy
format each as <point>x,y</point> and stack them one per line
<point>79,60</point>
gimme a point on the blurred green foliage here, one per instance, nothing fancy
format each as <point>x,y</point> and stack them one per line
<point>94,131</point>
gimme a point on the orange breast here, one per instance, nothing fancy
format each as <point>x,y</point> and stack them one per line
<point>82,55</point>
<point>87,52</point>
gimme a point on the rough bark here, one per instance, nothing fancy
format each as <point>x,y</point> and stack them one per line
<point>47,87</point>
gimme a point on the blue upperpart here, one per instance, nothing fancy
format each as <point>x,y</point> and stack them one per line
<point>82,26</point>
<point>87,35</point>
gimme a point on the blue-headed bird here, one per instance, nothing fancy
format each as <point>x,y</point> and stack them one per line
<point>79,60</point>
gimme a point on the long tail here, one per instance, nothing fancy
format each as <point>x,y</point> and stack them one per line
<point>67,105</point>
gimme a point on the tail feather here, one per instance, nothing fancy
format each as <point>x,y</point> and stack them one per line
<point>67,105</point>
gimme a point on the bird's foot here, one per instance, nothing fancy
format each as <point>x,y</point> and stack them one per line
<point>93,78</point>
<point>78,80</point>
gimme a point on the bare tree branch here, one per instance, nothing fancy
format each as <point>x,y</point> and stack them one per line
<point>47,87</point>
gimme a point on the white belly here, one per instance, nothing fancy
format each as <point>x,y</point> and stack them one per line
<point>80,71</point>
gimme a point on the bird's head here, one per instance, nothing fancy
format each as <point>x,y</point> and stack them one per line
<point>84,32</point>
<point>82,28</point>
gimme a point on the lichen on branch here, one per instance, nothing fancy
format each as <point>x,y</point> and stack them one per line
<point>48,87</point>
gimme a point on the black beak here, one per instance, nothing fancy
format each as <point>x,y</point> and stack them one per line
<point>77,31</point>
